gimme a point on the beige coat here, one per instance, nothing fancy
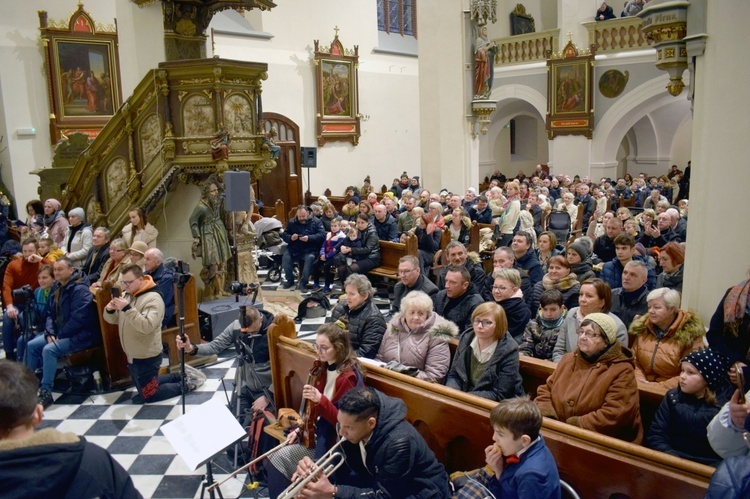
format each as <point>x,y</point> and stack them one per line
<point>140,322</point>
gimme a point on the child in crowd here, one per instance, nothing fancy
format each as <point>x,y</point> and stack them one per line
<point>353,241</point>
<point>328,250</point>
<point>344,226</point>
<point>521,464</point>
<point>679,426</point>
<point>541,332</point>
<point>49,249</point>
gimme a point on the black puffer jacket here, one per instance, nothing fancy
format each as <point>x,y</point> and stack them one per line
<point>370,245</point>
<point>399,462</point>
<point>73,468</point>
<point>457,310</point>
<point>366,326</point>
<point>499,381</point>
<point>399,291</point>
<point>518,315</point>
<point>679,428</point>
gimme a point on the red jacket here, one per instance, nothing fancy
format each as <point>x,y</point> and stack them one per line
<point>326,408</point>
<point>19,273</point>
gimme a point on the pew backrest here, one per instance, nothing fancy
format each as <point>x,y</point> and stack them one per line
<point>391,253</point>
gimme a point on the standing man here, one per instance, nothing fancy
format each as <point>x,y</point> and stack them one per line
<point>410,279</point>
<point>304,235</point>
<point>210,240</point>
<point>98,254</point>
<point>139,314</point>
<point>20,272</point>
<point>385,455</point>
<point>153,264</point>
<point>589,204</point>
<point>72,325</point>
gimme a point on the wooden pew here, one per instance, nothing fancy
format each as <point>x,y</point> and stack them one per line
<point>456,426</point>
<point>338,202</point>
<point>390,254</point>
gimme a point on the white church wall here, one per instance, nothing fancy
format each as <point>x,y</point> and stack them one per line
<point>388,90</point>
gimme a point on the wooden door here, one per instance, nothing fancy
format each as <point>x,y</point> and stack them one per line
<point>283,182</point>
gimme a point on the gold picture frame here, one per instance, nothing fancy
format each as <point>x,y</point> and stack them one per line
<point>83,75</point>
<point>337,93</point>
<point>570,104</point>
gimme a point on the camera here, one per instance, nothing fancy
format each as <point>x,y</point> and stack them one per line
<point>23,294</point>
<point>238,288</point>
<point>183,267</point>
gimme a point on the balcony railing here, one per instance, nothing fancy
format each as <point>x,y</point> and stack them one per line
<point>617,35</point>
<point>529,47</point>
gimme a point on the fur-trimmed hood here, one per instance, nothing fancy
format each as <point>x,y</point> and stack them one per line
<point>684,330</point>
<point>435,326</point>
<point>465,221</point>
<point>475,258</point>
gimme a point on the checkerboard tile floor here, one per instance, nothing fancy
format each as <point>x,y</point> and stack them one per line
<point>131,432</point>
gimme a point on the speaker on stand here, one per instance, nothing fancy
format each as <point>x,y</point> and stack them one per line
<point>309,160</point>
<point>236,198</point>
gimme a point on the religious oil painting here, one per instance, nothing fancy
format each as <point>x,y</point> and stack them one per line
<point>336,84</point>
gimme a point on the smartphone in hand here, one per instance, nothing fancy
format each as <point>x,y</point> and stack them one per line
<point>740,381</point>
<point>115,292</point>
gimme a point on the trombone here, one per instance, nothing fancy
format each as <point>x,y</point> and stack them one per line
<point>327,465</point>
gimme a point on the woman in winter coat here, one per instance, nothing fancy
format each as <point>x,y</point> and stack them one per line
<point>729,329</point>
<point>558,277</point>
<point>459,225</point>
<point>548,248</point>
<point>417,337</point>
<point>595,296</point>
<point>663,337</point>
<point>363,320</point>
<point>506,292</point>
<point>364,258</point>
<point>55,223</point>
<point>594,387</point>
<point>486,360</point>
<point>671,260</point>
<point>139,229</point>
<point>78,238</point>
<point>579,258</point>
<point>428,241</point>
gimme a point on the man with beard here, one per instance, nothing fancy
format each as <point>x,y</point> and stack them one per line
<point>210,240</point>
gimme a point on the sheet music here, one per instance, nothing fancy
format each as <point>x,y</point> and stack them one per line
<point>203,432</point>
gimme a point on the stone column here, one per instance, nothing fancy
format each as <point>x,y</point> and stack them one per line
<point>717,250</point>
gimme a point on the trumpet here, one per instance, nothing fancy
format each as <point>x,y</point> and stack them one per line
<point>240,470</point>
<point>327,465</point>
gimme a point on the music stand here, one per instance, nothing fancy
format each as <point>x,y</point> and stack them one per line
<point>197,443</point>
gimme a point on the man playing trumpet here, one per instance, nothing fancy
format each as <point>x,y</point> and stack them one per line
<point>384,454</point>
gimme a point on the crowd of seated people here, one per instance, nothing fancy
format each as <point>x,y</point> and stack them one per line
<point>63,262</point>
<point>541,297</point>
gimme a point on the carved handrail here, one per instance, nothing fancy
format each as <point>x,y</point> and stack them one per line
<point>617,35</point>
<point>528,47</point>
<point>162,134</point>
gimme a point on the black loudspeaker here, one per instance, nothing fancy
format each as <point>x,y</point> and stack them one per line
<point>236,191</point>
<point>215,316</point>
<point>309,157</point>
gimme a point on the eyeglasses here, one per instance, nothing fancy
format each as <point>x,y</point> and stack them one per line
<point>128,283</point>
<point>502,289</point>
<point>322,348</point>
<point>404,272</point>
<point>589,334</point>
<point>483,323</point>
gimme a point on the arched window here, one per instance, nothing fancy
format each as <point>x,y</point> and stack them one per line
<point>398,16</point>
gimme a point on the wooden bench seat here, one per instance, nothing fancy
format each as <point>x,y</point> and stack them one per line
<point>456,427</point>
<point>390,254</point>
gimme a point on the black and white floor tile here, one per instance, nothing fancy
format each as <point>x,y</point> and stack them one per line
<point>131,432</point>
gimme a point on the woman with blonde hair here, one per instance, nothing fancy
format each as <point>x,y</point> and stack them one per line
<point>511,214</point>
<point>112,268</point>
<point>486,361</point>
<point>418,337</point>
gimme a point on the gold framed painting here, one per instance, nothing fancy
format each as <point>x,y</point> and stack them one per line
<point>83,78</point>
<point>337,93</point>
<point>570,108</point>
